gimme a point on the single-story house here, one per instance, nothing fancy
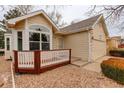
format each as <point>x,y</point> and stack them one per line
<point>36,31</point>
<point>113,42</point>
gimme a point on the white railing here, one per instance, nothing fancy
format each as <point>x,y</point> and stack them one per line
<point>26,59</point>
<point>54,57</point>
<point>40,61</point>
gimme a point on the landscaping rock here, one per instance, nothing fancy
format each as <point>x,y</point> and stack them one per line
<point>1,82</point>
<point>68,76</point>
<point>5,73</point>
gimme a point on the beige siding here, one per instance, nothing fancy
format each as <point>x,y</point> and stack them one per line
<point>113,42</point>
<point>98,49</point>
<point>20,25</point>
<point>98,42</point>
<point>78,42</point>
<point>39,19</point>
<point>56,42</point>
<point>98,32</point>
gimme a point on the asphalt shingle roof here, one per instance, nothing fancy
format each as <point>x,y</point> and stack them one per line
<point>82,25</point>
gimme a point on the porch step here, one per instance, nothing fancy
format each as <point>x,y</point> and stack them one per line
<point>79,63</point>
<point>73,59</point>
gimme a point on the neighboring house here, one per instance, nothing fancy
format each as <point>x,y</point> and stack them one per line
<point>36,31</point>
<point>121,45</point>
<point>113,42</point>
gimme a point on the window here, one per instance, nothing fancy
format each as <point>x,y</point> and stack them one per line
<point>39,41</point>
<point>34,41</point>
<point>34,46</point>
<point>8,43</point>
<point>38,28</point>
<point>39,38</point>
<point>20,41</point>
<point>45,42</point>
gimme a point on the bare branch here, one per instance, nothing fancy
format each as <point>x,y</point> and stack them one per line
<point>112,13</point>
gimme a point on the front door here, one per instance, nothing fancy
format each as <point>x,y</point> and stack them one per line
<point>8,50</point>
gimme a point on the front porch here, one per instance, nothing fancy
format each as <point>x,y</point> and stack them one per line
<point>39,61</point>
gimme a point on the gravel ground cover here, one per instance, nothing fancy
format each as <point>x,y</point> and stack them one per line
<point>5,73</point>
<point>68,76</point>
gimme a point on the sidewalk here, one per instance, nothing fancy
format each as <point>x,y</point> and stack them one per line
<point>95,66</point>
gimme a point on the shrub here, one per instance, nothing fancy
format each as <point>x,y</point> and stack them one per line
<point>114,69</point>
<point>117,52</point>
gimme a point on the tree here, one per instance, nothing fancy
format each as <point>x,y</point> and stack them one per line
<point>55,15</point>
<point>18,10</point>
<point>12,13</point>
<point>57,18</point>
<point>113,13</point>
<point>1,40</point>
<point>2,30</point>
<point>24,9</point>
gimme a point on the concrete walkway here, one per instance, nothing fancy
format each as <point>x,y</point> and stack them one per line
<point>95,66</point>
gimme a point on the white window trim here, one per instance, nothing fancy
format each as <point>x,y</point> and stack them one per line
<point>48,33</point>
<point>39,25</point>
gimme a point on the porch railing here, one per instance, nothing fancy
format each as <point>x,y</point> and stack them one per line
<point>40,61</point>
<point>53,57</point>
<point>25,59</point>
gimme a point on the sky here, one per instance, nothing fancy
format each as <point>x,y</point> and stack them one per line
<point>75,12</point>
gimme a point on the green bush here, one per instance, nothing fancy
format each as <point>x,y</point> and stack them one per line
<point>118,53</point>
<point>113,73</point>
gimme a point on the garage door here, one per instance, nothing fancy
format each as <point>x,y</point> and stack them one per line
<point>98,49</point>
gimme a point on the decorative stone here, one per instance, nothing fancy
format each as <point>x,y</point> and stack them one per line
<point>1,82</point>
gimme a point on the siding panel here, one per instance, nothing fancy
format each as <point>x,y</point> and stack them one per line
<point>98,49</point>
<point>39,19</point>
<point>98,42</point>
<point>56,41</point>
<point>78,42</point>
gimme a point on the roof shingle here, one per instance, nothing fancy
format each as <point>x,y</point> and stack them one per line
<point>82,25</point>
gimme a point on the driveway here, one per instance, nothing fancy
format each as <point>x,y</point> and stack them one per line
<point>95,66</point>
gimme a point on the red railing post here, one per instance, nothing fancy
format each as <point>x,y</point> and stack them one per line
<point>16,61</point>
<point>37,61</point>
<point>69,56</point>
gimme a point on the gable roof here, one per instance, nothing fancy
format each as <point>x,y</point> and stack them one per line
<point>84,25</point>
<point>115,37</point>
<point>13,21</point>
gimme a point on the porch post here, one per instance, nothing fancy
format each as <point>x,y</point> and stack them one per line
<point>37,61</point>
<point>16,61</point>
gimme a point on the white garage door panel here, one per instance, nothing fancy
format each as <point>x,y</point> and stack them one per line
<point>98,49</point>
